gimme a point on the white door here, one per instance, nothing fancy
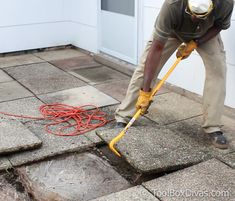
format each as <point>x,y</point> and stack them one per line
<point>118,29</point>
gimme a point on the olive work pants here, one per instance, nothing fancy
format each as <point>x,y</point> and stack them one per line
<point>213,56</point>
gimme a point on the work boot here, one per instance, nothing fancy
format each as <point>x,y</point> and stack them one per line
<point>120,125</point>
<point>218,140</point>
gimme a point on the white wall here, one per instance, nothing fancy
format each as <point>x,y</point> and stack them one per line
<point>190,73</point>
<point>30,24</point>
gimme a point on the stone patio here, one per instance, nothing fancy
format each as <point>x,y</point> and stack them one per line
<point>163,150</point>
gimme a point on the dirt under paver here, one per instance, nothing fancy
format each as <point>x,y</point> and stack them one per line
<point>77,177</point>
<point>207,181</point>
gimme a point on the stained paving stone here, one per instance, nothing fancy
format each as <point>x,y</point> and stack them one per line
<point>137,193</point>
<point>43,78</point>
<point>14,136</point>
<point>8,192</point>
<point>171,107</point>
<point>79,96</point>
<point>154,150</point>
<point>98,74</point>
<point>210,180</point>
<point>4,77</point>
<point>4,163</point>
<point>52,145</point>
<point>229,130</point>
<point>18,60</point>
<point>75,63</point>
<point>25,106</point>
<point>77,177</point>
<point>59,54</point>
<point>13,90</point>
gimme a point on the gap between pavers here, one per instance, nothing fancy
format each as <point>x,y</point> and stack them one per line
<point>4,77</point>
<point>155,150</point>
<point>137,193</point>
<point>76,177</point>
<point>14,136</point>
<point>210,180</point>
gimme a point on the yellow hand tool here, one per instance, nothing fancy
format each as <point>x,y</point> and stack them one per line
<point>138,113</point>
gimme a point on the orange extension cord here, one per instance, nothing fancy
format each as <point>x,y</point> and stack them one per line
<point>78,120</point>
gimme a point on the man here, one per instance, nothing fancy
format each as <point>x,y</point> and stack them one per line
<point>196,23</point>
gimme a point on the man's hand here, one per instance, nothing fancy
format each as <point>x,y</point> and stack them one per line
<point>143,101</point>
<point>185,50</point>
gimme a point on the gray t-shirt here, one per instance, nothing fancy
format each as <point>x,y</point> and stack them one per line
<point>173,21</point>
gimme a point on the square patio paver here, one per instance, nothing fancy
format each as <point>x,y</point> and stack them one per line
<point>79,96</point>
<point>13,90</point>
<point>77,177</point>
<point>14,136</point>
<point>43,78</point>
<point>59,54</point>
<point>207,181</point>
<point>171,107</point>
<point>18,60</point>
<point>98,74</point>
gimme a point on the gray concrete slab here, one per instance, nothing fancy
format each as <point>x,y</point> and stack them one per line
<point>79,96</point>
<point>4,77</point>
<point>58,54</point>
<point>137,193</point>
<point>98,74</point>
<point>44,78</point>
<point>153,150</point>
<point>77,177</point>
<point>4,163</point>
<point>14,136</point>
<point>9,191</point>
<point>25,106</point>
<point>13,90</point>
<point>171,107</point>
<point>229,159</point>
<point>211,180</point>
<point>18,60</point>
<point>75,63</point>
<point>52,145</point>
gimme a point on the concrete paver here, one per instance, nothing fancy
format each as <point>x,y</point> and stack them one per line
<point>4,77</point>
<point>79,96</point>
<point>13,90</point>
<point>75,63</point>
<point>76,177</point>
<point>137,193</point>
<point>18,60</point>
<point>171,107</point>
<point>14,136</point>
<point>52,145</point>
<point>98,74</point>
<point>9,193</point>
<point>58,54</point>
<point>229,159</point>
<point>43,78</point>
<point>152,149</point>
<point>4,163</point>
<point>210,180</point>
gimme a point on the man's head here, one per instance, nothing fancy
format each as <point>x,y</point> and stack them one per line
<point>199,8</point>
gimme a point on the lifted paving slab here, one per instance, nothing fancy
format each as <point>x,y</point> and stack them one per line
<point>52,145</point>
<point>43,78</point>
<point>137,193</point>
<point>59,54</point>
<point>154,150</point>
<point>79,96</point>
<point>18,60</point>
<point>13,90</point>
<point>98,74</point>
<point>4,163</point>
<point>14,136</point>
<point>8,192</point>
<point>210,180</point>
<point>171,107</point>
<point>75,63</point>
<point>77,177</point>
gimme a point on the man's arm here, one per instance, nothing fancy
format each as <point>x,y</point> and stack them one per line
<point>151,64</point>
